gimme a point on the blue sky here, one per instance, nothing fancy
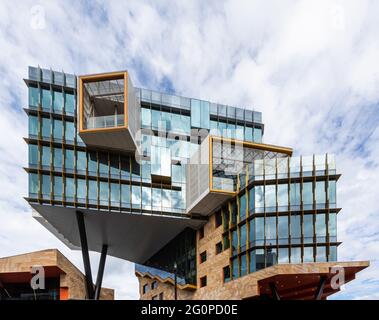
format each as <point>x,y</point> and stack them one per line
<point>311,67</point>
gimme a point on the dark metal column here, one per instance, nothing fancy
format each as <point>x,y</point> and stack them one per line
<point>175,281</point>
<point>100,272</point>
<point>274,292</point>
<point>320,289</point>
<point>85,254</point>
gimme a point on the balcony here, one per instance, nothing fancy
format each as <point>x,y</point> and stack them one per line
<point>214,171</point>
<point>109,111</point>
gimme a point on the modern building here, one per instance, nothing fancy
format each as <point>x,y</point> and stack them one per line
<point>184,188</point>
<point>61,279</point>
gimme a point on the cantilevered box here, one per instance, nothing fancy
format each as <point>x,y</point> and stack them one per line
<point>216,172</point>
<point>109,111</point>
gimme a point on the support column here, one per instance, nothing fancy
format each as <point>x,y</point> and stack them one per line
<point>100,272</point>
<point>85,254</point>
<point>274,292</point>
<point>320,289</point>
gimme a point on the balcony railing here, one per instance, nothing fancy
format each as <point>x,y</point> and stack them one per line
<point>105,122</point>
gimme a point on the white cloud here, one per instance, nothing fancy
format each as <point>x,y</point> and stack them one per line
<point>310,67</point>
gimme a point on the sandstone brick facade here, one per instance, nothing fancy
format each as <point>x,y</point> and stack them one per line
<point>245,287</point>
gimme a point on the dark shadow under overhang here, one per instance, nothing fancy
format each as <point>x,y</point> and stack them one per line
<point>132,237</point>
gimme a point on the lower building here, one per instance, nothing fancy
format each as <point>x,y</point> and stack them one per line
<point>303,281</point>
<point>62,280</point>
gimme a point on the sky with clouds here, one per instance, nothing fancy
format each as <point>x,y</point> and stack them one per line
<point>311,67</point>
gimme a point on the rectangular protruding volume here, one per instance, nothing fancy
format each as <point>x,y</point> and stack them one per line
<point>109,111</point>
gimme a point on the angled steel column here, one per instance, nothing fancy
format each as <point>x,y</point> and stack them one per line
<point>175,281</point>
<point>320,289</point>
<point>274,292</point>
<point>85,254</point>
<point>100,272</point>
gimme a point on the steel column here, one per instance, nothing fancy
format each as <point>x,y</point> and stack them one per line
<point>85,254</point>
<point>320,289</point>
<point>100,272</point>
<point>274,292</point>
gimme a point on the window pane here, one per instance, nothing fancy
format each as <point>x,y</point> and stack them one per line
<point>155,119</point>
<point>260,259</point>
<point>33,185</point>
<point>283,256</point>
<point>58,188</point>
<point>69,131</point>
<point>242,207</point>
<point>104,193</point>
<point>81,161</point>
<point>235,268</point>
<point>92,191</point>
<point>243,237</point>
<point>333,253</point>
<point>45,188</point>
<point>295,255</point>
<point>270,197</point>
<point>252,261</point>
<point>243,265</point>
<point>33,97</point>
<point>307,193</point>
<point>92,163</point>
<point>57,129</point>
<point>204,115</point>
<point>33,155</point>
<point>103,164</point>
<point>259,199</point>
<point>320,227</point>
<point>252,232</point>
<point>146,117</point>
<point>69,160</point>
<point>320,192</point>
<point>46,99</point>
<point>115,194</point>
<point>136,197</point>
<point>271,257</point>
<point>81,190</point>
<point>251,200</point>
<point>249,134</point>
<point>45,159</point>
<point>308,228</point>
<point>321,254</point>
<point>295,229</point>
<point>70,189</point>
<point>259,230</point>
<point>115,166</point>
<point>58,101</point>
<point>46,128</point>
<point>332,192</point>
<point>257,135</point>
<point>234,242</point>
<point>157,199</point>
<point>146,198</point>
<point>270,225</point>
<point>69,103</point>
<point>283,229</point>
<point>125,195</point>
<point>283,197</point>
<point>33,126</point>
<point>58,159</point>
<point>195,113</point>
<point>295,194</point>
<point>308,254</point>
<point>333,227</point>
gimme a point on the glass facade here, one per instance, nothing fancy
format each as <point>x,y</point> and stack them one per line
<point>110,180</point>
<point>289,215</point>
<point>282,209</point>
